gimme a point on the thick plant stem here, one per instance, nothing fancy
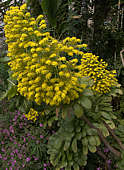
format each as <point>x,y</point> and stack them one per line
<point>114,136</point>
<point>104,157</point>
<point>113,150</point>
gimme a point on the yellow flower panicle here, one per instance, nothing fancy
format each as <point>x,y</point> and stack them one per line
<point>39,64</point>
<point>32,115</point>
<point>96,70</point>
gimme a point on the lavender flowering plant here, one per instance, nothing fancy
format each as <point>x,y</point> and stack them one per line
<point>23,144</point>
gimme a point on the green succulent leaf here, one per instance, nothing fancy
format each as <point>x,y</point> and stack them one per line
<point>86,102</point>
<point>110,124</point>
<point>12,92</point>
<point>76,167</point>
<point>83,133</point>
<point>88,92</point>
<point>92,148</point>
<point>105,131</point>
<point>105,115</point>
<point>98,142</point>
<point>85,141</point>
<point>92,141</point>
<point>85,150</point>
<point>66,145</point>
<point>74,145</point>
<point>78,110</point>
<point>91,131</point>
<point>4,59</point>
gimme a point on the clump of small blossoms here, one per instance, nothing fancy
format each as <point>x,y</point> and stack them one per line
<point>96,70</point>
<point>38,61</point>
<point>17,141</point>
<point>39,64</point>
<point>32,115</point>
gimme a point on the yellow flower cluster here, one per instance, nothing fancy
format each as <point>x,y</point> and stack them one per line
<point>38,61</point>
<point>39,64</point>
<point>96,70</point>
<point>32,115</point>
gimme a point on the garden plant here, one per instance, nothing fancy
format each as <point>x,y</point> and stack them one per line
<point>64,95</point>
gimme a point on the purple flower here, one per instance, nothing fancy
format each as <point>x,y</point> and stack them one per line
<point>24,140</point>
<point>98,168</point>
<point>6,131</point>
<point>15,118</point>
<point>23,165</point>
<point>11,129</point>
<point>18,112</point>
<point>16,150</point>
<point>41,125</point>
<point>106,150</point>
<point>0,156</point>
<point>11,139</point>
<point>20,125</point>
<point>45,165</point>
<point>13,162</point>
<point>2,142</point>
<point>28,134</point>
<point>41,136</point>
<point>3,150</point>
<point>32,137</point>
<point>5,158</point>
<point>15,142</point>
<point>35,158</point>
<point>48,164</point>
<point>12,154</point>
<point>109,161</point>
<point>28,159</point>
<point>44,168</point>
<point>19,156</point>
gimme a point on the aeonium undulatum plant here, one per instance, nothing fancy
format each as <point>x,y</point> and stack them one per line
<point>38,61</point>
<point>45,73</point>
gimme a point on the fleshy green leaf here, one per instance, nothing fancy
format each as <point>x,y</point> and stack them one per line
<point>74,145</point>
<point>85,141</point>
<point>78,110</point>
<point>110,124</point>
<point>85,150</point>
<point>86,102</point>
<point>12,92</point>
<point>4,59</point>
<point>91,140</point>
<point>105,115</point>
<point>66,145</point>
<point>92,148</point>
<point>97,140</point>
<point>87,92</point>
<point>76,167</point>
